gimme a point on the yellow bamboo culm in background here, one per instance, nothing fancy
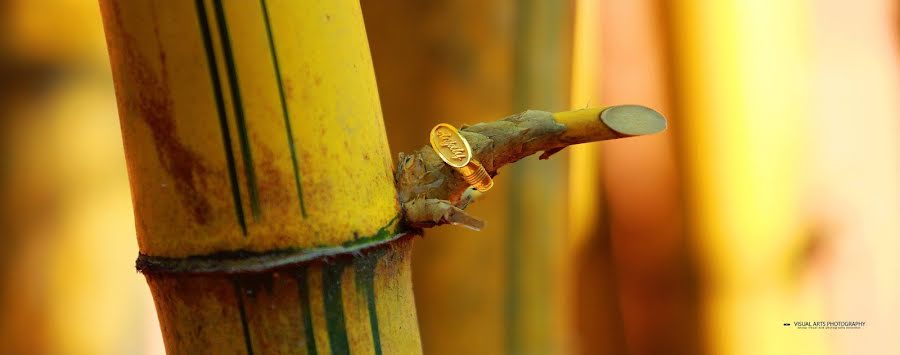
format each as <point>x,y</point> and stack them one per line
<point>743,104</point>
<point>253,130</point>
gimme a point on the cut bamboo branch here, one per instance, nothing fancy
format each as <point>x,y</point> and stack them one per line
<point>433,193</point>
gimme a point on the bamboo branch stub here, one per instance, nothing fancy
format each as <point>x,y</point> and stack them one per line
<point>432,193</point>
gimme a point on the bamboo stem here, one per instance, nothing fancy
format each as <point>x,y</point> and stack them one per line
<point>252,129</point>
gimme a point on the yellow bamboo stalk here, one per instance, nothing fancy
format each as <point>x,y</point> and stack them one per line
<point>254,141</point>
<point>742,83</point>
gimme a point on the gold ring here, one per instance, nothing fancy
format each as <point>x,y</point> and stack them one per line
<point>454,150</point>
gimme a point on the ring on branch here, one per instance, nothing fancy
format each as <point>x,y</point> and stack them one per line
<point>433,193</point>
<point>454,150</point>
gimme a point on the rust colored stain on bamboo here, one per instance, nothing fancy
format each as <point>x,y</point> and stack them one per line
<point>211,145</point>
<point>155,107</point>
<point>211,151</point>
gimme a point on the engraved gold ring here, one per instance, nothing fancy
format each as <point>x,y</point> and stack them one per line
<point>454,150</point>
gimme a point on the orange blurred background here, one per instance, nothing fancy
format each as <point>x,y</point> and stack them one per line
<point>773,198</point>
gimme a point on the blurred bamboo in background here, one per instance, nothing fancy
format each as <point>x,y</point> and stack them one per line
<point>742,84</point>
<point>790,144</point>
<point>853,187</point>
<point>538,258</point>
<point>67,285</point>
<point>651,265</point>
